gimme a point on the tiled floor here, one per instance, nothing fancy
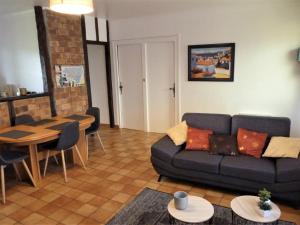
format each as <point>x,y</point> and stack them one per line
<point>111,181</point>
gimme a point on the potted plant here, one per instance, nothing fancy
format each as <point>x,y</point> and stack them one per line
<point>264,202</point>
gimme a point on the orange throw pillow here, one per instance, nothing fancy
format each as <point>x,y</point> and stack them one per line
<point>198,139</point>
<point>251,142</point>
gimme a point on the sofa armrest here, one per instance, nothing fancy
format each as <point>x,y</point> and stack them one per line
<point>165,149</point>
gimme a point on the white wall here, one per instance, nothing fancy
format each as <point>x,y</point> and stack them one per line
<point>97,68</point>
<point>19,53</point>
<point>267,35</point>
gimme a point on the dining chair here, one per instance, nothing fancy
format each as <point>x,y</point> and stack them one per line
<point>67,140</point>
<point>24,119</point>
<point>95,126</point>
<point>13,157</point>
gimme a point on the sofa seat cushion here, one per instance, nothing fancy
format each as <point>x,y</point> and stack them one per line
<point>288,170</point>
<point>198,161</point>
<point>248,168</point>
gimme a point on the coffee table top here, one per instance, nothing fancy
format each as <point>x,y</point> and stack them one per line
<point>247,208</point>
<point>198,210</point>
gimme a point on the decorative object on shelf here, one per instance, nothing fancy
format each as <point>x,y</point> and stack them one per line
<point>298,57</point>
<point>212,62</point>
<point>69,76</point>
<point>76,7</point>
<point>264,202</point>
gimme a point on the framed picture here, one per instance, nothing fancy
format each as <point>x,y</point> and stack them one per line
<point>213,62</point>
<point>69,75</point>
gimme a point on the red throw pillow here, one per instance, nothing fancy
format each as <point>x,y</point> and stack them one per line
<point>251,142</point>
<point>198,139</point>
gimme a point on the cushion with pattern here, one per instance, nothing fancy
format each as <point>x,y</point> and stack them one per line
<point>251,142</point>
<point>198,139</point>
<point>223,145</point>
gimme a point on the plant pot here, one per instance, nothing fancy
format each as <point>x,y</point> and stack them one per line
<point>265,213</point>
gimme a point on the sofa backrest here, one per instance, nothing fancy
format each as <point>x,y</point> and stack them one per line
<point>219,123</point>
<point>274,126</point>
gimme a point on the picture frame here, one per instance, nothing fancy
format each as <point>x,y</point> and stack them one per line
<point>211,62</point>
<point>69,75</point>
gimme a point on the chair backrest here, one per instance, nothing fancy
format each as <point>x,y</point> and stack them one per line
<point>2,160</point>
<point>94,111</point>
<point>24,119</point>
<point>69,136</point>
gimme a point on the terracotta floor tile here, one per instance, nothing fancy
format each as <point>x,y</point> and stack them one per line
<point>102,215</point>
<point>85,197</point>
<point>89,221</point>
<point>48,221</point>
<point>9,208</point>
<point>121,197</point>
<point>48,209</point>
<point>34,218</point>
<point>20,214</point>
<point>98,201</point>
<point>72,219</point>
<point>51,196</point>
<point>111,206</point>
<point>62,200</point>
<point>59,214</point>
<point>115,177</point>
<point>86,210</point>
<point>131,189</point>
<point>73,205</point>
<point>7,221</point>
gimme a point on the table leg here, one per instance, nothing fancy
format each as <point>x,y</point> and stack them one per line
<point>34,164</point>
<point>82,147</point>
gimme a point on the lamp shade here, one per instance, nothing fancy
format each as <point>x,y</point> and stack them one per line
<point>76,7</point>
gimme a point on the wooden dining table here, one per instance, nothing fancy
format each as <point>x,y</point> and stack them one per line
<point>43,131</point>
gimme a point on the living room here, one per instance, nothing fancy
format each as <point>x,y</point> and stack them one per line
<point>172,84</point>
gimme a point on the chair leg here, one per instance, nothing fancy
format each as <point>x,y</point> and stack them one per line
<point>56,160</point>
<point>98,135</point>
<point>28,172</point>
<point>17,172</point>
<point>3,184</point>
<point>80,158</point>
<point>87,146</point>
<point>46,163</point>
<point>64,165</point>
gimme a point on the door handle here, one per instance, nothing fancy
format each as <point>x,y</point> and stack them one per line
<point>121,88</point>
<point>173,89</point>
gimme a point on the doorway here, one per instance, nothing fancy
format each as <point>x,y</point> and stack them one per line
<point>146,77</point>
<point>98,80</point>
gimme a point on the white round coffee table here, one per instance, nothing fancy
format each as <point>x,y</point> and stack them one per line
<point>247,208</point>
<point>199,210</point>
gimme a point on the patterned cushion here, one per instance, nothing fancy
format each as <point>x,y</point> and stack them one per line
<point>197,139</point>
<point>223,145</point>
<point>178,133</point>
<point>251,142</point>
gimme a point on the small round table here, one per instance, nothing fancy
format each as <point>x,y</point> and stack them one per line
<point>247,208</point>
<point>198,210</point>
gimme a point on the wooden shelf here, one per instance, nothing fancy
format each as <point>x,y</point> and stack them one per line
<point>14,98</point>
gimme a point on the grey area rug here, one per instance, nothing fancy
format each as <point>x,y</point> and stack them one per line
<point>150,208</point>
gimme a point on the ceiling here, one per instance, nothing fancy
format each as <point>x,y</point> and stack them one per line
<point>119,9</point>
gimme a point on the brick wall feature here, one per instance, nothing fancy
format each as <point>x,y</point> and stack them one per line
<point>38,108</point>
<point>4,115</point>
<point>66,48</point>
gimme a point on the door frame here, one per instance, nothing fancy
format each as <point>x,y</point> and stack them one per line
<point>116,75</point>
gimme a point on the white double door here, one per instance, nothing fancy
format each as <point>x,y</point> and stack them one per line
<point>146,84</point>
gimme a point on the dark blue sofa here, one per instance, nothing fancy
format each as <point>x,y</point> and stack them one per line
<point>242,173</point>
